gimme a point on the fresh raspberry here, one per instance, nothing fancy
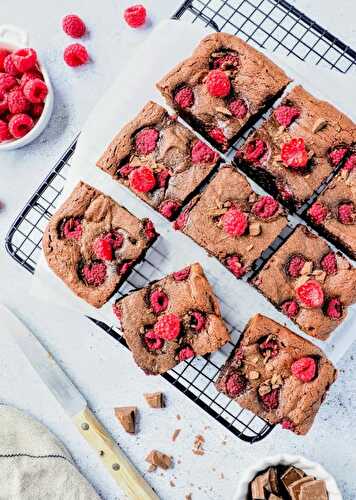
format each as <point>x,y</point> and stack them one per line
<point>158,301</point>
<point>3,102</point>
<point>72,229</point>
<point>75,55</point>
<point>142,179</point>
<point>125,170</point>
<point>197,321</point>
<point>16,101</point>
<point>285,192</point>
<point>218,83</point>
<point>24,59</point>
<point>318,212</point>
<point>270,345</point>
<point>116,309</point>
<point>218,136</point>
<point>270,401</point>
<point>290,308</point>
<point>201,153</point>
<point>103,249</point>
<point>150,232</point>
<point>168,208</point>
<point>184,97</point>
<point>345,213</point>
<point>227,62</point>
<point>234,264</point>
<point>238,108</point>
<point>94,273</point>
<point>135,16</point>
<point>124,267</point>
<point>304,369</point>
<point>239,355</point>
<point>236,384</point>
<point>168,327</point>
<point>350,163</point>
<point>255,150</point>
<point>265,207</point>
<point>30,75</point>
<point>9,66</point>
<point>334,308</point>
<point>294,154</point>
<point>20,125</point>
<point>337,155</point>
<point>4,132</point>
<point>328,263</point>
<point>3,54</point>
<point>182,275</point>
<point>310,294</point>
<point>35,90</point>
<point>146,140</point>
<point>153,342</point>
<point>295,265</point>
<point>288,425</point>
<point>234,222</point>
<point>36,110</point>
<point>73,26</point>
<point>7,82</point>
<point>163,176</point>
<point>286,114</point>
<point>185,353</point>
<point>182,219</point>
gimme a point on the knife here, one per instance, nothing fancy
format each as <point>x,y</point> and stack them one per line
<point>114,459</point>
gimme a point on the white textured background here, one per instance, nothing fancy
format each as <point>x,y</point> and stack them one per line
<point>101,368</point>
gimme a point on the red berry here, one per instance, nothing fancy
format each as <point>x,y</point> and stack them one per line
<point>265,207</point>
<point>7,82</point>
<point>234,264</point>
<point>271,400</point>
<point>9,66</point>
<point>20,125</point>
<point>234,222</point>
<point>36,110</point>
<point>295,265</point>
<point>197,321</point>
<point>350,163</point>
<point>337,155</point>
<point>4,131</point>
<point>135,16</point>
<point>72,229</point>
<point>286,114</point>
<point>304,369</point>
<point>3,102</point>
<point>16,101</point>
<point>345,213</point>
<point>185,353</point>
<point>218,83</point>
<point>153,342</point>
<point>334,308</point>
<point>149,230</point>
<point>290,308</point>
<point>124,267</point>
<point>35,90</point>
<point>255,150</point>
<point>103,249</point>
<point>24,59</point>
<point>94,273</point>
<point>227,62</point>
<point>146,140</point>
<point>182,275</point>
<point>288,424</point>
<point>271,345</point>
<point>238,108</point>
<point>201,153</point>
<point>168,327</point>
<point>184,97</point>
<point>158,301</point>
<point>168,208</point>
<point>75,55</point>
<point>116,308</point>
<point>125,170</point>
<point>294,154</point>
<point>163,176</point>
<point>318,212</point>
<point>236,384</point>
<point>182,219</point>
<point>30,75</point>
<point>3,54</point>
<point>328,263</point>
<point>142,179</point>
<point>73,26</point>
<point>218,136</point>
<point>310,294</point>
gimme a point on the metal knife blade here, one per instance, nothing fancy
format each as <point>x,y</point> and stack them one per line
<point>43,363</point>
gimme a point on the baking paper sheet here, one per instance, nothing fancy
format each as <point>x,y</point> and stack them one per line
<point>169,43</point>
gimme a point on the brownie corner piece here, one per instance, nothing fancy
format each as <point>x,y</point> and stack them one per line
<point>91,243</point>
<point>172,320</point>
<point>277,375</point>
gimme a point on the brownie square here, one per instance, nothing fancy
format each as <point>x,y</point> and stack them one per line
<point>297,148</point>
<point>223,87</point>
<point>158,159</point>
<point>277,375</point>
<point>172,320</point>
<point>231,221</point>
<point>309,283</point>
<point>91,243</point>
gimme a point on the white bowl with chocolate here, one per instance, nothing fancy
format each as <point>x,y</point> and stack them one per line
<point>287,477</point>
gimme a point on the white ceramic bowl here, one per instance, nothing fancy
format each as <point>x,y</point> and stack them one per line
<point>14,38</point>
<point>310,468</point>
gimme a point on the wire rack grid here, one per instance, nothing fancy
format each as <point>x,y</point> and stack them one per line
<point>274,25</point>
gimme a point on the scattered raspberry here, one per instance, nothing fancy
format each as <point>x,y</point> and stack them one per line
<point>288,425</point>
<point>318,212</point>
<point>9,66</point>
<point>310,294</point>
<point>163,176</point>
<point>238,108</point>
<point>350,163</point>
<point>4,131</point>
<point>30,75</point>
<point>186,353</point>
<point>168,208</point>
<point>337,155</point>
<point>73,26</point>
<point>271,400</point>
<point>153,342</point>
<point>36,110</point>
<point>234,222</point>
<point>20,125</point>
<point>94,273</point>
<point>72,229</point>
<point>201,153</point>
<point>290,308</point>
<point>75,55</point>
<point>197,321</point>
<point>124,267</point>
<point>182,275</point>
<point>227,62</point>
<point>135,16</point>
<point>7,82</point>
<point>146,140</point>
<point>184,97</point>
<point>285,192</point>
<point>294,154</point>
<point>271,345</point>
<point>218,136</point>
<point>35,90</point>
<point>295,265</point>
<point>168,327</point>
<point>265,207</point>
<point>334,308</point>
<point>116,309</point>
<point>103,249</point>
<point>3,102</point>
<point>16,101</point>
<point>345,213</point>
<point>115,238</point>
<point>158,301</point>
<point>234,264</point>
<point>218,83</point>
<point>304,369</point>
<point>182,219</point>
<point>236,384</point>
<point>24,59</point>
<point>328,263</point>
<point>126,170</point>
<point>3,54</point>
<point>142,179</point>
<point>239,354</point>
<point>149,230</point>
<point>286,114</point>
<point>255,150</point>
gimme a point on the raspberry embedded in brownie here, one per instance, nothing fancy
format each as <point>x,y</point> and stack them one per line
<point>277,375</point>
<point>231,221</point>
<point>172,320</point>
<point>159,159</point>
<point>91,243</point>
<point>224,85</point>
<point>309,283</point>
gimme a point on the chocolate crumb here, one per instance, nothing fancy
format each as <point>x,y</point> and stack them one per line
<point>178,417</point>
<point>198,445</point>
<point>188,497</point>
<point>126,415</point>
<point>176,434</point>
<point>155,399</point>
<point>152,468</point>
<point>159,459</point>
<point>172,483</point>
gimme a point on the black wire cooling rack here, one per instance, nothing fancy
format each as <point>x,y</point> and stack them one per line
<point>274,25</point>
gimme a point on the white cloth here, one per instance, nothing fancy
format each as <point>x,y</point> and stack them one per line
<point>34,465</point>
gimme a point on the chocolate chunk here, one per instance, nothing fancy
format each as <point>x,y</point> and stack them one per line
<point>291,475</point>
<point>272,487</point>
<point>159,459</point>
<point>314,490</point>
<point>295,488</point>
<point>155,399</point>
<point>126,415</point>
<point>258,486</point>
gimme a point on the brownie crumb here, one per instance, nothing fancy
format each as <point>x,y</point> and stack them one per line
<point>155,399</point>
<point>178,417</point>
<point>175,434</point>
<point>188,497</point>
<point>126,415</point>
<point>152,468</point>
<point>172,483</point>
<point>198,445</point>
<point>159,459</point>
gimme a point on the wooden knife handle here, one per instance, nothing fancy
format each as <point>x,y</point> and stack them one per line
<point>116,462</point>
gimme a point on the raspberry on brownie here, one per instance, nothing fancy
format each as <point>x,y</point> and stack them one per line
<point>222,86</point>
<point>158,159</point>
<point>309,282</point>
<point>92,243</point>
<point>231,221</point>
<point>277,375</point>
<point>296,149</point>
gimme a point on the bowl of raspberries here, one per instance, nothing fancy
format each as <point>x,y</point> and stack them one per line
<point>26,94</point>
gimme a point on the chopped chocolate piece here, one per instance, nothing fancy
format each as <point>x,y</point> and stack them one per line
<point>127,417</point>
<point>258,486</point>
<point>272,486</point>
<point>291,475</point>
<point>152,468</point>
<point>314,490</point>
<point>295,488</point>
<point>176,434</point>
<point>155,399</point>
<point>188,497</point>
<point>159,459</point>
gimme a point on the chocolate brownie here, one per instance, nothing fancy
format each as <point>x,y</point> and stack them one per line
<point>224,86</point>
<point>297,148</point>
<point>91,243</point>
<point>277,375</point>
<point>309,283</point>
<point>334,212</point>
<point>231,221</point>
<point>172,320</point>
<point>159,159</point>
